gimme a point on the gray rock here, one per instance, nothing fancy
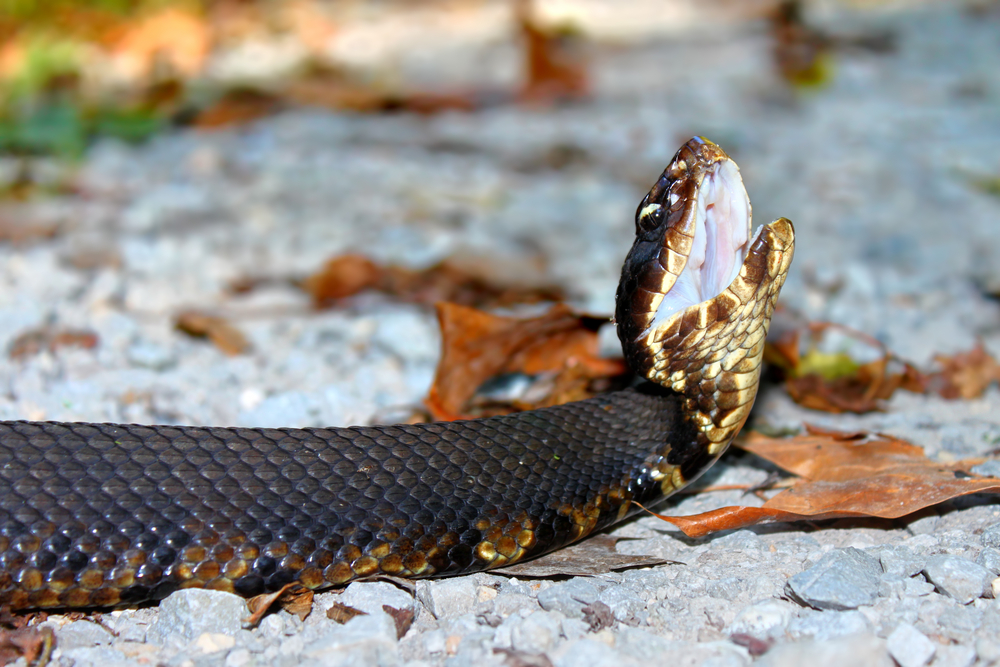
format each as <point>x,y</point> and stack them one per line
<point>274,626</point>
<point>624,604</point>
<point>917,587</point>
<point>866,650</point>
<point>363,641</point>
<point>955,656</point>
<point>239,657</point>
<point>909,647</point>
<point>150,355</point>
<point>989,557</point>
<point>960,623</point>
<point>987,468</point>
<point>132,624</point>
<point>892,586</point>
<point>991,536</point>
<point>536,633</point>
<point>898,560</point>
<point>590,653</point>
<point>988,649</point>
<point>448,598</point>
<point>79,634</point>
<point>727,588</point>
<point>369,596</point>
<point>186,614</point>
<point>842,579</point>
<point>740,540</point>
<point>958,578</point>
<point>765,620</point>
<point>569,597</point>
<point>96,656</point>
<point>511,603</point>
<point>824,625</point>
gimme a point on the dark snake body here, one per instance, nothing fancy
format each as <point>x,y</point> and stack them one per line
<point>101,514</point>
<point>108,514</point>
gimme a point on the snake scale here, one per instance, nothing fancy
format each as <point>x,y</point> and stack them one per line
<point>111,514</point>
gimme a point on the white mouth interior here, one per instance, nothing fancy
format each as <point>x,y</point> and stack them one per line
<point>721,242</point>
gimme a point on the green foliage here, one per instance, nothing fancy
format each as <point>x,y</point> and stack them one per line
<point>42,11</point>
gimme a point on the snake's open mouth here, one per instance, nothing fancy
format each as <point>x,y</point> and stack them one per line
<point>721,240</point>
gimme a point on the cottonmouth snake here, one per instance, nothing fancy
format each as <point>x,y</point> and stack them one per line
<point>109,514</point>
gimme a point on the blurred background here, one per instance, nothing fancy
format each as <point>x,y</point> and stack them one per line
<point>163,155</point>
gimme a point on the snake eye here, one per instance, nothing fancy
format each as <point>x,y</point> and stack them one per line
<point>648,217</point>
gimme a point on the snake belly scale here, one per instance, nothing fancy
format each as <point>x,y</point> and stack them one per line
<point>109,514</point>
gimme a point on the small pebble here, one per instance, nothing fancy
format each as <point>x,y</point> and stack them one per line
<point>80,634</point>
<point>867,650</point>
<point>448,598</point>
<point>763,621</point>
<point>363,640</point>
<point>568,597</point>
<point>910,647</point>
<point>989,557</point>
<point>213,642</point>
<point>958,578</point>
<point>823,625</point>
<point>187,614</point>
<point>991,536</point>
<point>842,579</point>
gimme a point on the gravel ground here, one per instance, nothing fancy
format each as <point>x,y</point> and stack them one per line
<point>893,239</point>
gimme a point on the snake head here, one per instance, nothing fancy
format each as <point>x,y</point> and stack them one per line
<point>698,289</point>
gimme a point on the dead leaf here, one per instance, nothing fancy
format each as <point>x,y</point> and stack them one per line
<point>237,107</point>
<point>964,375</point>
<point>515,658</point>
<point>598,616</point>
<point>33,644</point>
<point>754,646</point>
<point>801,53</point>
<point>342,613</point>
<point>50,339</point>
<point>297,601</point>
<point>477,346</point>
<point>224,335</point>
<point>835,382</point>
<point>403,618</point>
<point>17,231</point>
<point>293,598</point>
<point>594,556</point>
<point>451,280</point>
<point>844,475</point>
<point>342,277</point>
<point>555,70</point>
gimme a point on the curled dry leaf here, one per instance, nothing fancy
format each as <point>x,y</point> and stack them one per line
<point>451,280</point>
<point>477,346</point>
<point>33,644</point>
<point>293,598</point>
<point>555,69</point>
<point>403,618</point>
<point>835,382</point>
<point>225,336</point>
<point>342,613</point>
<point>50,339</point>
<point>598,616</point>
<point>964,375</point>
<point>844,475</point>
<point>237,107</point>
<point>516,658</point>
